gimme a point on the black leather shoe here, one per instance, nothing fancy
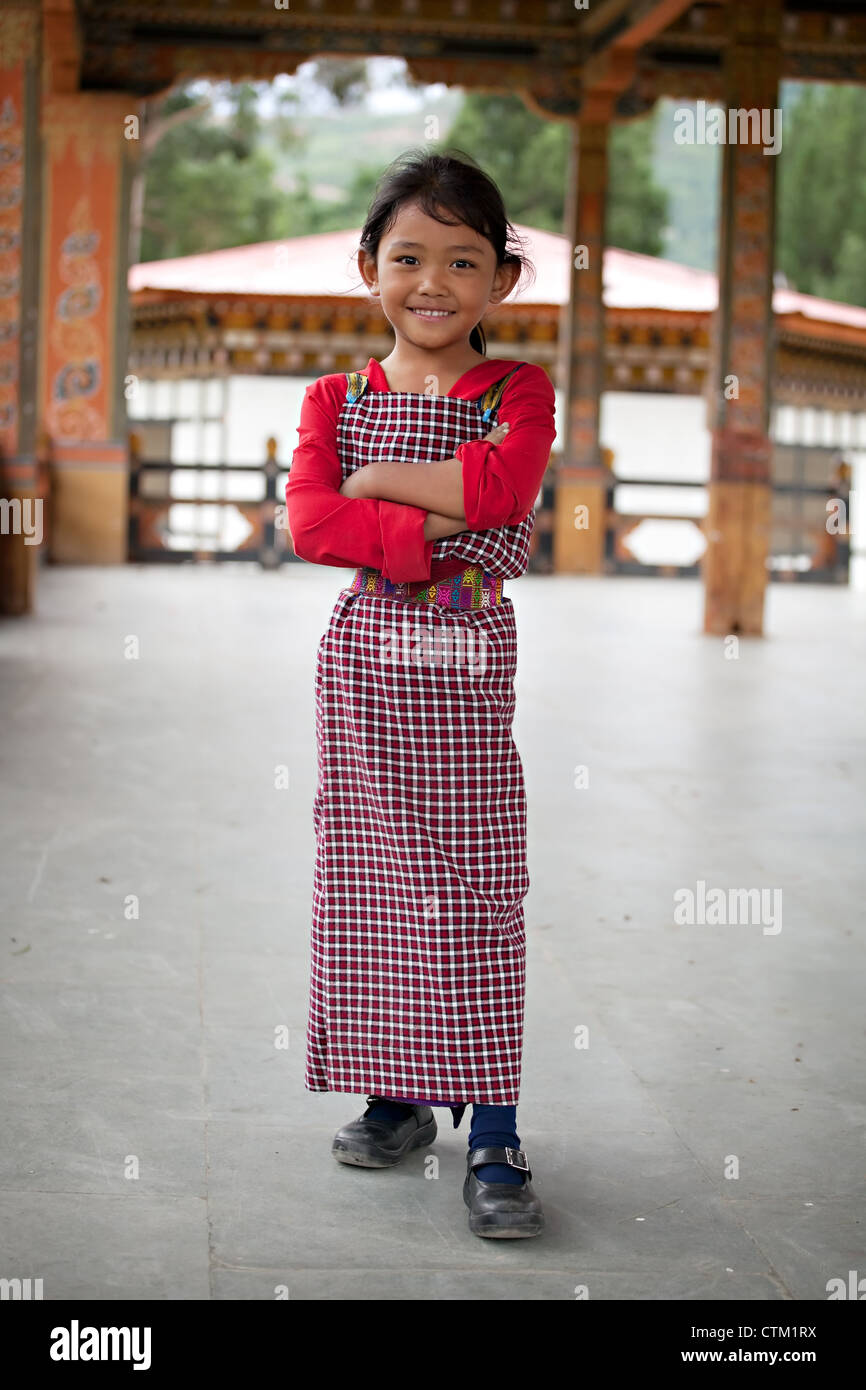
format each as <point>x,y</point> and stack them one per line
<point>499,1209</point>
<point>382,1143</point>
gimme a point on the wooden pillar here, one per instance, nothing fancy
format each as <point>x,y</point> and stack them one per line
<point>89,142</point>
<point>582,480</point>
<point>740,497</point>
<point>21,508</point>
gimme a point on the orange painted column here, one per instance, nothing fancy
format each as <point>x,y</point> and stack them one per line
<point>89,144</point>
<point>22,510</point>
<point>738,525</point>
<point>581,478</point>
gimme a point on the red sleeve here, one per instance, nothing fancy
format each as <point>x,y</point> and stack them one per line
<point>329,529</point>
<point>501,481</point>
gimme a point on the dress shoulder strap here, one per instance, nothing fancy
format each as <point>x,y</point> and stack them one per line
<point>356,385</point>
<point>489,401</point>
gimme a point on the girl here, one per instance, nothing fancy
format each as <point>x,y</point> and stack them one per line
<point>405,471</point>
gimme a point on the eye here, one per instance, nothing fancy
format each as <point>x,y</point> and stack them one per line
<point>471,264</point>
<point>405,257</point>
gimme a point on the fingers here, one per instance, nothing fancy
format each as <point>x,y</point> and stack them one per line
<point>498,433</point>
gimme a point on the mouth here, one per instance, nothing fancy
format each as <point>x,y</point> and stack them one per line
<point>431,313</point>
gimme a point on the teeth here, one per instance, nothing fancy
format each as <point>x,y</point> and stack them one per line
<point>432,313</point>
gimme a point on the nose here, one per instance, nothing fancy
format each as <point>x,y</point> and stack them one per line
<point>431,283</point>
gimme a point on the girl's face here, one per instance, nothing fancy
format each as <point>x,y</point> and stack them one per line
<point>435,281</point>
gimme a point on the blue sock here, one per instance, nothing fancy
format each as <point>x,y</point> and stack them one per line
<point>381,1108</point>
<point>496,1126</point>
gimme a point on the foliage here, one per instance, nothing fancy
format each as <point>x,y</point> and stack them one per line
<point>821,194</point>
<point>208,184</point>
<point>528,158</point>
<point>217,174</point>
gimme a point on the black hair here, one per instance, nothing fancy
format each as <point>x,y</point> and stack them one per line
<point>443,183</point>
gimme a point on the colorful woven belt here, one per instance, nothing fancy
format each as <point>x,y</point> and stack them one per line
<point>471,588</point>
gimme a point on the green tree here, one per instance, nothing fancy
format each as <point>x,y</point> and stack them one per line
<point>208,184</point>
<point>637,209</point>
<point>821,193</point>
<point>347,79</point>
<point>528,159</point>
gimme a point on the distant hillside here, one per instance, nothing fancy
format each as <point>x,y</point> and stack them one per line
<point>690,174</point>
<point>331,155</point>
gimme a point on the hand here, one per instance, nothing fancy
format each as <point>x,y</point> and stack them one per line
<point>354,484</point>
<point>497,434</point>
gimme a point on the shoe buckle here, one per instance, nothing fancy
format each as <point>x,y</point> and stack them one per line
<point>517,1159</point>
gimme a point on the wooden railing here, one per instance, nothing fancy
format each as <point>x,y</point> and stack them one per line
<point>268,541</point>
<point>270,544</point>
<point>827,552</point>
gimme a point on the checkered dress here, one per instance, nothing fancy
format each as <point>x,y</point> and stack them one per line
<point>418,947</point>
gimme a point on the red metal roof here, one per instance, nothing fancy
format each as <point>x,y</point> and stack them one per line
<point>324,264</point>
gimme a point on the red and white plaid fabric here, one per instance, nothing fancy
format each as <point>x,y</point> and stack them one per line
<point>418,946</point>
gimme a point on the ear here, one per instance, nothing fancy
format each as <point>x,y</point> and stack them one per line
<point>504,280</point>
<point>369,273</point>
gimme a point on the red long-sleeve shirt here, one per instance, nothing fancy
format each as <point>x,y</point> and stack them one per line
<point>500,482</point>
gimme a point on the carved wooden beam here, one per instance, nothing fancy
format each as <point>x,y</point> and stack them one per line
<point>629,23</point>
<point>565,62</point>
<point>61,47</point>
<point>617,31</point>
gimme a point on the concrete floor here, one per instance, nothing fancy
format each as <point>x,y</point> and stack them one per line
<point>147,1044</point>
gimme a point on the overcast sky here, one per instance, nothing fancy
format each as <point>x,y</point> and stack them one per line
<point>389,93</point>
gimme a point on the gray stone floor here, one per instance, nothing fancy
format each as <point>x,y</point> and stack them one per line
<point>148,1042</point>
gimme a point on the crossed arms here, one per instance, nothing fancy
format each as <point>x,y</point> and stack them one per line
<point>388,515</point>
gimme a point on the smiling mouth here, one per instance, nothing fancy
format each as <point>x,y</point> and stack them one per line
<point>432,313</point>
